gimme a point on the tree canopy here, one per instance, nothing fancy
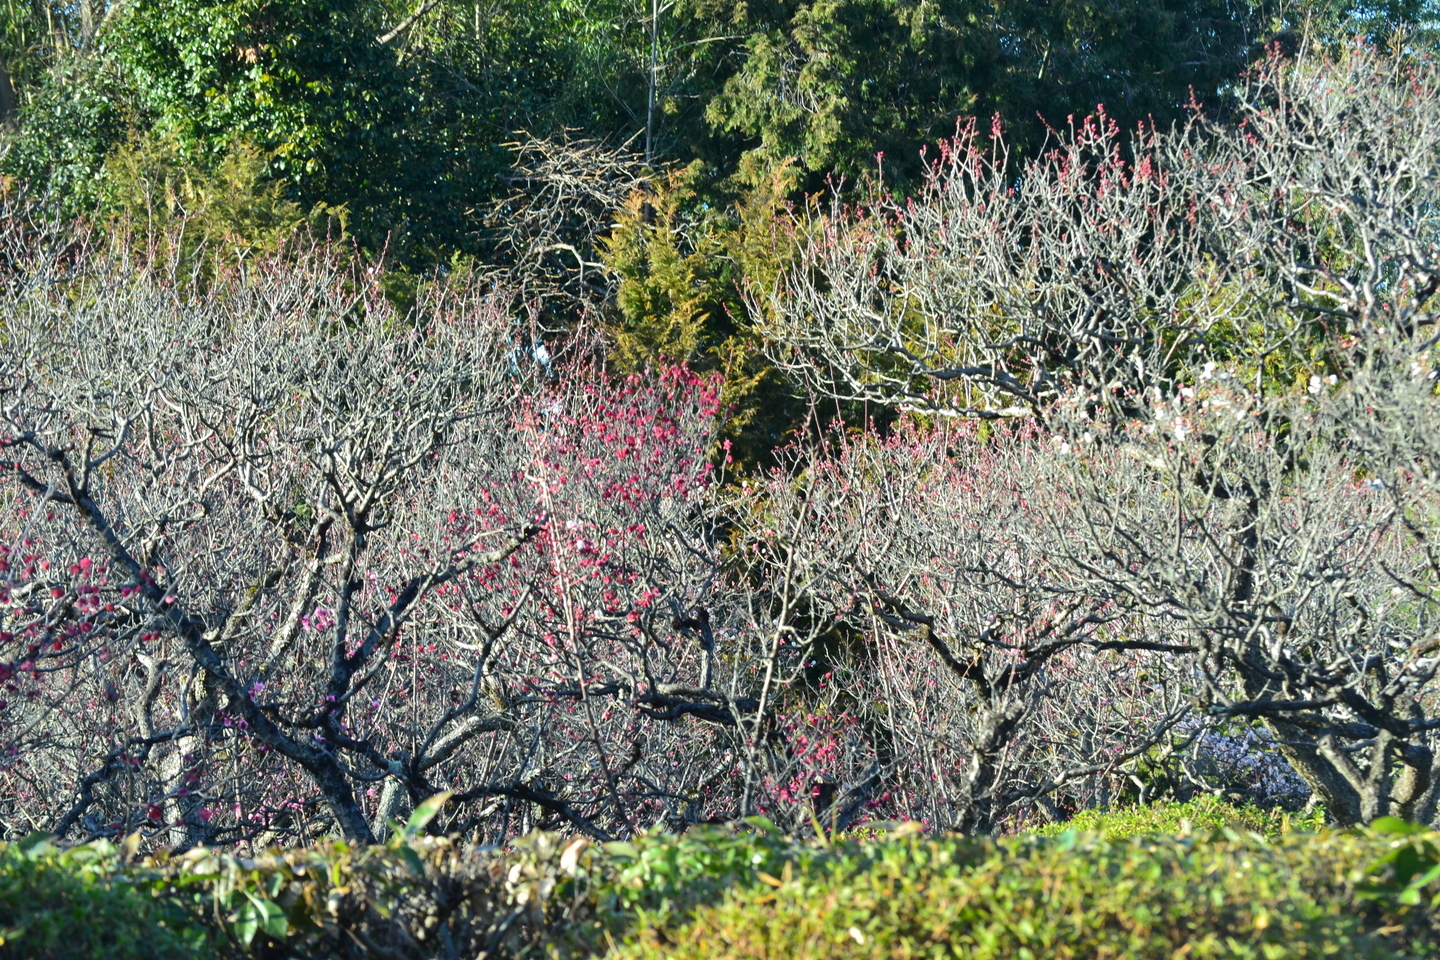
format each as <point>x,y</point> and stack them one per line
<point>399,114</point>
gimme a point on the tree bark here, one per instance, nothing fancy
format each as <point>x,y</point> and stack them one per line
<point>89,23</point>
<point>7,95</point>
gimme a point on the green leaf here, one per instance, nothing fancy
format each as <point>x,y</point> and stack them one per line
<point>620,848</point>
<point>1410,896</point>
<point>270,917</point>
<point>35,844</point>
<point>247,922</point>
<point>1395,827</point>
<point>426,812</point>
<point>412,860</point>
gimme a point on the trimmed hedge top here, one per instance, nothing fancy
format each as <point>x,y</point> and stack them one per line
<point>1074,896</point>
<point>715,893</point>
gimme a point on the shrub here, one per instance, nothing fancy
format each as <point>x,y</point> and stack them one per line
<point>1077,895</point>
<point>722,892</point>
<point>414,897</point>
<point>1235,457</point>
<point>683,258</point>
<point>72,903</point>
<point>596,894</point>
<point>411,897</point>
<point>1201,815</point>
<point>229,209</point>
<point>538,523</point>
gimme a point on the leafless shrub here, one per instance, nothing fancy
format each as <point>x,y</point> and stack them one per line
<point>988,679</point>
<point>278,561</point>
<point>1009,292</point>
<point>563,195</point>
<point>1115,265</point>
<point>1227,337</point>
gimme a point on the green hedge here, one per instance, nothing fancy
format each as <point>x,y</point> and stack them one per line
<point>415,897</point>
<point>721,894</point>
<point>79,903</point>
<point>1076,895</point>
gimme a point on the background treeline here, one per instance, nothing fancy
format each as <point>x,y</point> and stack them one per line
<point>399,123</point>
<point>400,113</point>
<point>635,163</point>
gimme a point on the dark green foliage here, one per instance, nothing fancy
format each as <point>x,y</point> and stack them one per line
<point>1337,22</point>
<point>25,47</point>
<point>342,119</point>
<point>836,82</point>
<point>72,120</point>
<point>407,135</point>
<point>77,905</point>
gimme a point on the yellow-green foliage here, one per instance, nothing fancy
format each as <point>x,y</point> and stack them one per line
<point>673,293</point>
<point>750,892</point>
<point>684,261</point>
<point>1227,895</point>
<point>1201,815</point>
<point>228,209</point>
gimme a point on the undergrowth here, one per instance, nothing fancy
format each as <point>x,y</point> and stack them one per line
<point>1202,814</point>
